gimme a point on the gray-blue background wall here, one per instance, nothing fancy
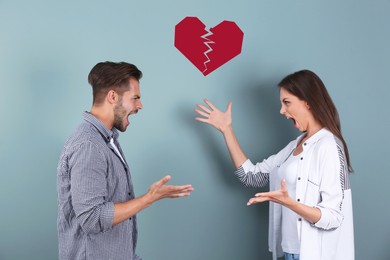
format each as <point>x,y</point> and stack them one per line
<point>47,49</point>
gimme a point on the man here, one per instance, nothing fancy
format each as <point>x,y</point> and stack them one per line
<point>96,203</point>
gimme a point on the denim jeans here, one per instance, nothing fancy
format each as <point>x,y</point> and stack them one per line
<point>288,256</point>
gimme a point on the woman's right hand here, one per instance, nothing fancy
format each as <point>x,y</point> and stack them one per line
<point>214,117</point>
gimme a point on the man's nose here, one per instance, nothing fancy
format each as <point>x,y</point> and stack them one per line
<point>139,105</point>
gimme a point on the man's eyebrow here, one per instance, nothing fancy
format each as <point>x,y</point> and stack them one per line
<point>136,96</point>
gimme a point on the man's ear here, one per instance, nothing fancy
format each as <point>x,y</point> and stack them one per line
<point>112,97</point>
<point>307,105</point>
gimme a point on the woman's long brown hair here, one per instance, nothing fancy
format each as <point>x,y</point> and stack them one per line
<point>307,86</point>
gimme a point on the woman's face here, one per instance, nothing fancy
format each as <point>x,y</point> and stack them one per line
<point>295,109</point>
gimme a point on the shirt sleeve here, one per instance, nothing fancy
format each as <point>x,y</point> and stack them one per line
<point>331,191</point>
<point>257,175</point>
<point>89,189</point>
<point>252,175</point>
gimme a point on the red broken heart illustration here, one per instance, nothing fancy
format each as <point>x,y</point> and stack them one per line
<point>208,50</point>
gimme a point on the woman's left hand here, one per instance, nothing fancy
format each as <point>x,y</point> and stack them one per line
<point>311,214</point>
<point>279,196</point>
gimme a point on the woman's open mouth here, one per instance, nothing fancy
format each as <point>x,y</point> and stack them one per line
<point>294,122</point>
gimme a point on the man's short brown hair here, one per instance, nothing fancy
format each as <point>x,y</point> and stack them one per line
<point>108,75</point>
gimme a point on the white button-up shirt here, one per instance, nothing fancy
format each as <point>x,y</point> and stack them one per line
<point>322,182</point>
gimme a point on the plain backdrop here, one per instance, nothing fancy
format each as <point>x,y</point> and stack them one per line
<point>47,49</point>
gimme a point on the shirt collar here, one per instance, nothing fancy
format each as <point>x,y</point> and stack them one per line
<point>314,138</point>
<point>104,131</point>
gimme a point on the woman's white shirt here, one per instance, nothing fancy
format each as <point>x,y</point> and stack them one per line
<point>322,182</point>
<point>288,171</point>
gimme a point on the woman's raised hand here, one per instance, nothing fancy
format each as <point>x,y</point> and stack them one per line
<point>214,117</point>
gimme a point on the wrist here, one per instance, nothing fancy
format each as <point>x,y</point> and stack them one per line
<point>290,203</point>
<point>227,129</point>
<point>147,199</point>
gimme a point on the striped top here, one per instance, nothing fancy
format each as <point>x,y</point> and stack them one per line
<point>91,177</point>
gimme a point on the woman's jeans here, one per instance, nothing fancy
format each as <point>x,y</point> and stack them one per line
<point>288,256</point>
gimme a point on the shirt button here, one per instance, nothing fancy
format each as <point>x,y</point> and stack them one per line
<point>298,200</point>
<point>301,158</point>
<point>299,178</point>
<point>304,143</point>
<point>299,219</point>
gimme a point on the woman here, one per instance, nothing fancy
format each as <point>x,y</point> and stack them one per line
<point>310,198</point>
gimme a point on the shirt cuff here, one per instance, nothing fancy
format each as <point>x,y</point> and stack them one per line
<point>107,216</point>
<point>247,166</point>
<point>321,223</point>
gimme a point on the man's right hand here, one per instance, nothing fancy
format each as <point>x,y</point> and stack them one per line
<point>159,190</point>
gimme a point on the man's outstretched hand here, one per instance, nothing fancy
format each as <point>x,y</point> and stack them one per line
<point>159,190</point>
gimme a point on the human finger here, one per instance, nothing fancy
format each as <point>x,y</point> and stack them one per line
<point>255,201</point>
<point>283,184</point>
<point>178,191</point>
<point>262,194</point>
<point>163,181</point>
<point>202,113</point>
<point>229,106</point>
<point>250,202</point>
<point>204,108</point>
<point>182,188</point>
<point>179,195</point>
<point>210,105</point>
<point>201,119</point>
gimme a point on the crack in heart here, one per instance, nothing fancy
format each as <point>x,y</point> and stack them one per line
<point>194,42</point>
<point>207,43</point>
